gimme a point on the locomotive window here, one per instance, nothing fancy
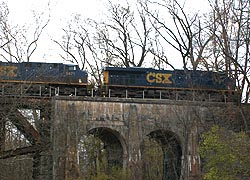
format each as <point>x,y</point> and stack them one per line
<point>72,68</point>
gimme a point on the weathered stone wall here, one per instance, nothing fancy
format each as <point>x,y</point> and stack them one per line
<point>131,121</point>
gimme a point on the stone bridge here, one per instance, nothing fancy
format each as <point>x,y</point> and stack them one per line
<point>123,125</point>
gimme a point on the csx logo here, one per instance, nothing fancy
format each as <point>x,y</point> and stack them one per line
<point>8,71</point>
<point>159,78</point>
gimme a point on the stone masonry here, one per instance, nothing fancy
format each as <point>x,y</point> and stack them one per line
<point>124,124</point>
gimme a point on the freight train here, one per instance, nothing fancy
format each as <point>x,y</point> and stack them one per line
<point>48,79</point>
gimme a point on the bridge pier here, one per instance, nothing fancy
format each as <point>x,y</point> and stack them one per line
<point>65,128</point>
<point>134,138</point>
<point>194,157</point>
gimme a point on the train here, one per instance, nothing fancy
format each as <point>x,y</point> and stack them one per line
<point>51,79</point>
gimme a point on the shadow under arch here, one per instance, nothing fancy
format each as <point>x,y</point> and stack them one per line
<point>172,153</point>
<point>114,144</point>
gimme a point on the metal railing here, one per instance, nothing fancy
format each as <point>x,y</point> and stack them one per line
<point>50,91</point>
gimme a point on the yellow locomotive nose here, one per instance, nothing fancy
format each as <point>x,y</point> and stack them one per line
<point>105,77</point>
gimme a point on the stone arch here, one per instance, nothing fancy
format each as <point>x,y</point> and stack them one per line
<point>172,153</point>
<point>114,144</point>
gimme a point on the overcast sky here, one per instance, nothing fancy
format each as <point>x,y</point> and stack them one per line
<point>61,11</point>
<point>59,8</point>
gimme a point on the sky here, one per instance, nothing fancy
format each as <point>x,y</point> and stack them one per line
<point>59,8</point>
<point>61,12</point>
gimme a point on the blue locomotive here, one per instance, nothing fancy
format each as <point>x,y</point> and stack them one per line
<point>42,78</point>
<point>176,84</point>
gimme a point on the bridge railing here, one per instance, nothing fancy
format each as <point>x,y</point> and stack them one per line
<point>40,90</point>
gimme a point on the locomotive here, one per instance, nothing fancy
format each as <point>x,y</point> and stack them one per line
<point>50,79</point>
<point>167,84</point>
<point>43,79</point>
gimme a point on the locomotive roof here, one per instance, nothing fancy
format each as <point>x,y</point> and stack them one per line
<point>142,69</point>
<point>134,69</point>
<point>38,62</point>
<point>126,68</point>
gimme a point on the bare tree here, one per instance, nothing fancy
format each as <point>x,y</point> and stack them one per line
<point>231,21</point>
<point>16,42</point>
<point>5,39</point>
<point>78,46</point>
<point>124,38</point>
<point>184,34</point>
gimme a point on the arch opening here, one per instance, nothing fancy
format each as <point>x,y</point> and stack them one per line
<point>112,144</point>
<point>169,153</point>
<point>101,153</point>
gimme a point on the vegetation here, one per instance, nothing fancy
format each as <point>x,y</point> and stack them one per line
<point>116,173</point>
<point>152,155</point>
<point>226,154</point>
